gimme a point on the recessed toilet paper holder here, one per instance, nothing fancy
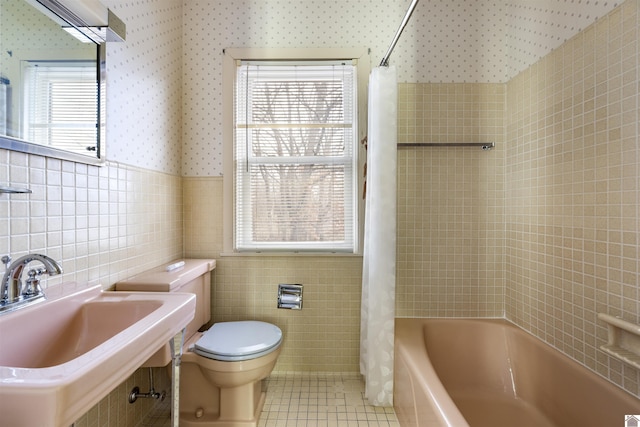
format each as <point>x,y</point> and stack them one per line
<point>290,296</point>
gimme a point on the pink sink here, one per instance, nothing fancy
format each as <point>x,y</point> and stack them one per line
<point>60,357</point>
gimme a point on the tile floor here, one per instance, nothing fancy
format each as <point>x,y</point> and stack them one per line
<point>317,399</point>
<point>312,399</point>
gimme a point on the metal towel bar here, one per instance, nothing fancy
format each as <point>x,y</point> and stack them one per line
<point>483,145</point>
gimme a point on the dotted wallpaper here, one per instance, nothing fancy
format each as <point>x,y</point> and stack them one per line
<point>144,86</point>
<point>536,27</point>
<point>23,27</point>
<point>164,107</point>
<point>484,41</point>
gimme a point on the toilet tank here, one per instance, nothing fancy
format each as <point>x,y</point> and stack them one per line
<point>194,276</point>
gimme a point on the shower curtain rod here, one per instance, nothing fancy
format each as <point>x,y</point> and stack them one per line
<point>407,16</point>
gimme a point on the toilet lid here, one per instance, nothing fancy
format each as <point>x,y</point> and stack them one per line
<point>234,341</point>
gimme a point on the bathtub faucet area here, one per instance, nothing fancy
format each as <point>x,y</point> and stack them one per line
<point>13,294</point>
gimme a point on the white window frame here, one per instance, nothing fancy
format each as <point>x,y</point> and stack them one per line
<point>231,60</point>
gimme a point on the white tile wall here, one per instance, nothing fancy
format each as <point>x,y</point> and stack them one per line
<point>103,224</point>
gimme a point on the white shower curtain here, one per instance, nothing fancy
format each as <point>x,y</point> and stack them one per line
<point>379,264</point>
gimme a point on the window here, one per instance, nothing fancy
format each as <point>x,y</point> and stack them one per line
<point>61,108</point>
<point>295,156</point>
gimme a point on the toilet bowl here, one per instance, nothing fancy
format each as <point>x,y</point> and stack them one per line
<point>222,369</point>
<point>228,361</point>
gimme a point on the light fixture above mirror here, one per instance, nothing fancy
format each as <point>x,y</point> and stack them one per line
<point>87,20</point>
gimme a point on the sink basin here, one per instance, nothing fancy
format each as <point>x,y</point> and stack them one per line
<point>60,357</point>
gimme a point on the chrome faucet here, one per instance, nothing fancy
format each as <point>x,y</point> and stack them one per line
<point>11,289</point>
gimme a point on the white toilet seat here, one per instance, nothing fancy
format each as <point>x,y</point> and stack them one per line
<point>236,341</point>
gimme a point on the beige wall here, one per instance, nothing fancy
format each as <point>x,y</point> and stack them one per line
<point>324,335</point>
<point>450,236</point>
<point>450,201</point>
<point>572,192</point>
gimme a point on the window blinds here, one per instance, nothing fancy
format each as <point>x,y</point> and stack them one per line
<point>295,163</point>
<point>61,111</point>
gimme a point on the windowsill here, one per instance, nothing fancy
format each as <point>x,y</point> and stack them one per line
<point>289,254</point>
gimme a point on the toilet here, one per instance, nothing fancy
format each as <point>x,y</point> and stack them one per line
<point>222,367</point>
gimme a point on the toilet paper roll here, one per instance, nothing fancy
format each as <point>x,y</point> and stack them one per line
<point>289,299</point>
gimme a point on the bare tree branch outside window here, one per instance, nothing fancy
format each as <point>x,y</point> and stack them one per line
<point>299,162</point>
<point>298,201</point>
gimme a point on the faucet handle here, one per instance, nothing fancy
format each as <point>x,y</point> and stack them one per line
<point>6,260</point>
<point>32,284</point>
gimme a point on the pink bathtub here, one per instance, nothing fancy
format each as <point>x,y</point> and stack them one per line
<point>489,373</point>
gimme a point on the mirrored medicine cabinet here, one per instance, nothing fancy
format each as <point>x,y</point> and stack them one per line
<point>52,77</point>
